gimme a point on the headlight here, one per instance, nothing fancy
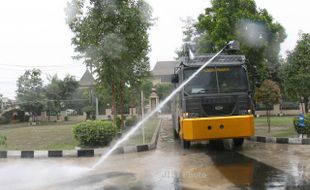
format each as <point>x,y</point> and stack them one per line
<point>185,115</point>
<point>190,115</point>
<point>245,112</point>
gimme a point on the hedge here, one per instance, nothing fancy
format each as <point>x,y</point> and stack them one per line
<point>306,128</point>
<point>95,133</point>
<point>3,120</point>
<point>2,140</point>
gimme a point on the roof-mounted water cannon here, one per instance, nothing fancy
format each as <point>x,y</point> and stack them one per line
<point>190,49</point>
<point>232,46</point>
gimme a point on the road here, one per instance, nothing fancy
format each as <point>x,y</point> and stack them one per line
<point>254,166</point>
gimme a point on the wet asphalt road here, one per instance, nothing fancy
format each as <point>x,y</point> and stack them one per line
<point>220,166</point>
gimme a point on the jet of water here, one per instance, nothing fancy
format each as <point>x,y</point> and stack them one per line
<point>149,115</point>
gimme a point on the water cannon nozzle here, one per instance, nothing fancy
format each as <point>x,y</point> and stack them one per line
<point>233,45</point>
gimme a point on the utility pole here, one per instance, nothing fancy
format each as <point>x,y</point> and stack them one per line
<point>142,115</point>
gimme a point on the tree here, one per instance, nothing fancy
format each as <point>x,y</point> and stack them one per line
<point>296,71</point>
<point>30,94</point>
<point>1,106</point>
<point>268,94</point>
<point>112,37</point>
<point>190,35</point>
<point>163,90</point>
<point>255,29</point>
<point>59,91</point>
<point>78,100</point>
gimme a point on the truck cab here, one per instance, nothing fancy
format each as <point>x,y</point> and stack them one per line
<point>215,104</point>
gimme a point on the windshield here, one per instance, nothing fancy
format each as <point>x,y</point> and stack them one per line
<point>213,80</point>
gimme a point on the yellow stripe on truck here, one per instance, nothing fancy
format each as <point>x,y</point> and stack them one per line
<point>207,128</point>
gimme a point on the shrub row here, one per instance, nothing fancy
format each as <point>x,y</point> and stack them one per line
<point>3,120</point>
<point>306,128</point>
<point>2,140</point>
<point>95,133</point>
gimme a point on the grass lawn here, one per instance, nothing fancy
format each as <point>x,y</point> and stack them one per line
<point>46,136</point>
<point>57,135</point>
<point>149,129</point>
<point>280,126</point>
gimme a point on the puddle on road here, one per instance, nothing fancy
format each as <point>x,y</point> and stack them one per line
<point>245,172</point>
<point>230,170</point>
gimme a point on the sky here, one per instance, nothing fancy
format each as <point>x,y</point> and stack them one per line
<point>34,33</point>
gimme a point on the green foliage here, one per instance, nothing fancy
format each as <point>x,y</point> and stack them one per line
<point>89,110</point>
<point>306,128</point>
<point>3,120</point>
<point>290,106</point>
<point>30,91</point>
<point>296,70</point>
<point>95,133</point>
<point>10,115</point>
<point>113,37</point>
<point>260,36</point>
<point>66,118</point>
<point>2,140</point>
<point>131,121</point>
<point>58,90</point>
<point>163,90</point>
<point>118,122</point>
<point>268,93</point>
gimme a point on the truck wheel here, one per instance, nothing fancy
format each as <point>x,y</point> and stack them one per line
<point>238,142</point>
<point>185,144</point>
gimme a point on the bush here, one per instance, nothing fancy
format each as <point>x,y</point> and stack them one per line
<point>131,122</point>
<point>89,110</point>
<point>66,118</point>
<point>95,133</point>
<point>2,140</point>
<point>3,120</point>
<point>27,118</point>
<point>306,128</point>
<point>118,122</point>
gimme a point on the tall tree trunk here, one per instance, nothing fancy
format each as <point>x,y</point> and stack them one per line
<point>268,118</point>
<point>306,100</point>
<point>114,102</point>
<point>132,100</point>
<point>121,107</point>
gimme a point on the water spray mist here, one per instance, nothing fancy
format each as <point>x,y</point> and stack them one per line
<point>231,44</point>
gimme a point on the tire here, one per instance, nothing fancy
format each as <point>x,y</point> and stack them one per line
<point>238,142</point>
<point>185,144</point>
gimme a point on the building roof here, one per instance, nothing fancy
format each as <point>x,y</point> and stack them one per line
<point>87,79</point>
<point>164,68</point>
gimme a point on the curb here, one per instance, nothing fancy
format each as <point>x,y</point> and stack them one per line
<point>82,152</point>
<point>280,140</point>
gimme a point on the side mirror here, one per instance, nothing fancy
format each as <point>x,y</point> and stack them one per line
<point>233,46</point>
<point>174,78</point>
